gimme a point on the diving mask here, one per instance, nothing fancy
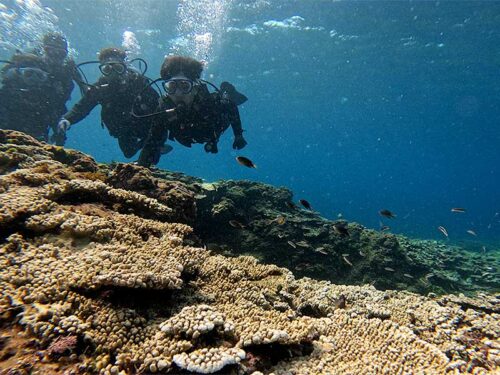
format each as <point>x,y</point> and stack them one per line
<point>110,67</point>
<point>181,86</point>
<point>30,76</point>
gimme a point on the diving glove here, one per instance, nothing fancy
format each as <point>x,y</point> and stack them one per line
<point>63,126</point>
<point>239,142</point>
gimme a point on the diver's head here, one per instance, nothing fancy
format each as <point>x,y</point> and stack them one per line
<point>55,46</point>
<point>112,62</point>
<point>181,75</point>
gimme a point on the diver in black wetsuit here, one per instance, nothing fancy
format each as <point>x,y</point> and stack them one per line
<point>36,87</point>
<point>189,113</point>
<point>116,90</point>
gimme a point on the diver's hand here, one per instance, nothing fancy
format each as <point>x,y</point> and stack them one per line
<point>63,126</point>
<point>239,142</point>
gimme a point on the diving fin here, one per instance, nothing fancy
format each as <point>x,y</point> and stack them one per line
<point>230,92</point>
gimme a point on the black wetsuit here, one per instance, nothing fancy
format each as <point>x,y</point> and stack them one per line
<point>209,116</point>
<point>117,99</point>
<point>36,106</point>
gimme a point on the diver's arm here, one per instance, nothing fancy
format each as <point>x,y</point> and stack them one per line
<point>84,106</point>
<point>234,118</point>
<point>151,152</point>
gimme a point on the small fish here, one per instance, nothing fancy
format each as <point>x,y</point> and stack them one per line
<point>302,266</point>
<point>472,233</point>
<point>386,213</point>
<point>341,229</point>
<point>347,261</point>
<point>362,253</point>
<point>339,215</point>
<point>429,275</point>
<point>281,235</point>
<point>236,224</point>
<point>321,250</point>
<point>408,275</point>
<point>458,209</point>
<point>484,249</point>
<point>443,230</point>
<point>384,228</point>
<point>389,269</point>
<point>292,244</point>
<point>305,203</point>
<point>199,196</point>
<point>291,205</point>
<point>345,255</point>
<point>302,244</point>
<point>245,162</point>
<point>280,220</point>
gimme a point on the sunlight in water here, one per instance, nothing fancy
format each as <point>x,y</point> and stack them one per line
<point>201,24</point>
<point>22,23</point>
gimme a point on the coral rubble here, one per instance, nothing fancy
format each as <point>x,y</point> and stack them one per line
<point>101,275</point>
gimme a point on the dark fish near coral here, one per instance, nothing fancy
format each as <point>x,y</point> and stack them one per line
<point>236,224</point>
<point>321,250</point>
<point>291,205</point>
<point>458,209</point>
<point>305,203</point>
<point>347,260</point>
<point>341,229</point>
<point>443,230</point>
<point>386,213</point>
<point>383,227</point>
<point>245,162</point>
<point>302,266</point>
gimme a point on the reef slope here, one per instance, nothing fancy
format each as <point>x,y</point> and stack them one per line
<point>100,274</point>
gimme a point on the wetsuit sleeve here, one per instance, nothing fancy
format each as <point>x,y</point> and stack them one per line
<point>84,106</point>
<point>234,118</point>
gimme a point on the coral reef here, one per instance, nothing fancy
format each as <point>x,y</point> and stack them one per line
<point>276,231</point>
<point>97,277</point>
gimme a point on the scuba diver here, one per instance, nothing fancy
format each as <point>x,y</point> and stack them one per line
<point>36,87</point>
<point>117,88</point>
<point>189,113</point>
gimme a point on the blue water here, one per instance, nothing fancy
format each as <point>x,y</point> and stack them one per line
<point>355,106</point>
